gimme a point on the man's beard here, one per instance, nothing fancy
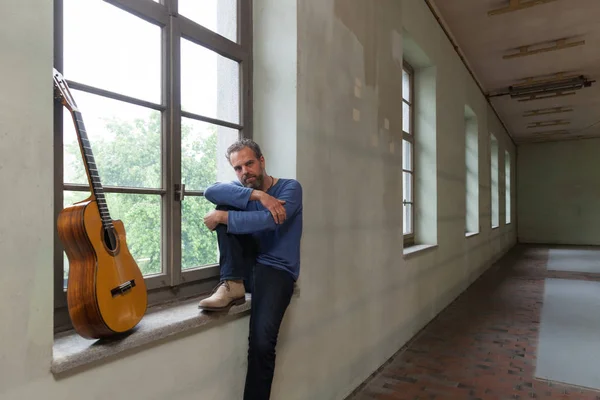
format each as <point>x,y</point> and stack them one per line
<point>256,184</point>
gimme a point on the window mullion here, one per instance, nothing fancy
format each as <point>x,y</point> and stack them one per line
<point>173,206</point>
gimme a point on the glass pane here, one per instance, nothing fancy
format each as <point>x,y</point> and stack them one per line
<point>68,199</point>
<point>406,118</point>
<point>220,16</point>
<point>125,140</point>
<point>407,219</point>
<point>203,149</point>
<point>210,83</point>
<point>407,151</point>
<point>198,244</point>
<point>405,85</point>
<point>407,189</point>
<point>141,216</point>
<point>112,49</point>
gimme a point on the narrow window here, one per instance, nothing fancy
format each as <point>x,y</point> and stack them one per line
<point>472,172</point>
<point>508,196</point>
<point>494,181</point>
<point>408,158</point>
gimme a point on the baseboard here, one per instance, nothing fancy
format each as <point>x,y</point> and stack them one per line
<point>555,244</point>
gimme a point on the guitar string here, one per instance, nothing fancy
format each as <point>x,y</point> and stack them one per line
<point>108,234</point>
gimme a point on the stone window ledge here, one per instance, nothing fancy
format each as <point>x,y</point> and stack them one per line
<point>418,249</point>
<point>71,351</point>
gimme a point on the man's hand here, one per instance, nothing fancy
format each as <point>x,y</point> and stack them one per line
<point>214,218</point>
<point>274,205</point>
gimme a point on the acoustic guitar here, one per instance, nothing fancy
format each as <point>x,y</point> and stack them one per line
<point>106,292</point>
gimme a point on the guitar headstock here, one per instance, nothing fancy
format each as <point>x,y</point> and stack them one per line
<point>62,92</point>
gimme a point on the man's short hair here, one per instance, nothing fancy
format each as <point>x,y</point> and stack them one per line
<point>241,144</point>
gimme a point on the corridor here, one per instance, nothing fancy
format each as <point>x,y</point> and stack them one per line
<point>428,138</point>
<point>536,308</point>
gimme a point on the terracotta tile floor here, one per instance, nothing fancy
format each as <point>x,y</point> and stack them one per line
<point>483,346</point>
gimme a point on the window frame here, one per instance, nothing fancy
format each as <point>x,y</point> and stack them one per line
<point>409,238</point>
<point>173,282</point>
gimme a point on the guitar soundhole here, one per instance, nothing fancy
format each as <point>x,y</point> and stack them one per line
<point>110,239</point>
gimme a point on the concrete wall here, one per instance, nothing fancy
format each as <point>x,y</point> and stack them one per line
<point>360,300</point>
<point>559,192</point>
<point>275,82</point>
<point>26,206</point>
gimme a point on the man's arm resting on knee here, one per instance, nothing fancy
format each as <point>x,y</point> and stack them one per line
<point>232,194</point>
<point>243,222</point>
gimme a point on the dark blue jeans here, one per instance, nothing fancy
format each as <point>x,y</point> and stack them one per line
<point>271,294</point>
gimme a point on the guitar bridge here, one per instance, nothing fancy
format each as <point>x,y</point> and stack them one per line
<point>123,288</point>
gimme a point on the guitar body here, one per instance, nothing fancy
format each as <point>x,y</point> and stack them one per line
<point>106,293</point>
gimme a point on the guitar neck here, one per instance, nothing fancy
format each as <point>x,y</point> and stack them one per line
<point>91,169</point>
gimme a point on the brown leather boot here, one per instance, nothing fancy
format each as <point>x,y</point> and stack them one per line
<point>225,295</point>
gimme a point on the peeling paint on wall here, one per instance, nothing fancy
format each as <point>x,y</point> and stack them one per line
<point>359,17</point>
<point>373,26</point>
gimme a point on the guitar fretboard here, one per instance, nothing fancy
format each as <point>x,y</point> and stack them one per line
<point>92,170</point>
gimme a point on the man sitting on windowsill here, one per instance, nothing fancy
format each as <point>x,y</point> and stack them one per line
<point>258,221</point>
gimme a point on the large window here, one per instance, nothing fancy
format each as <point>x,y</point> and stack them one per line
<point>408,154</point>
<point>507,184</point>
<point>163,87</point>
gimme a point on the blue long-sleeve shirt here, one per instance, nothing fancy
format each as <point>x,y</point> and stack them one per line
<point>279,243</point>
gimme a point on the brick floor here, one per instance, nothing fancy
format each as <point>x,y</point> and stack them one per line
<point>483,346</point>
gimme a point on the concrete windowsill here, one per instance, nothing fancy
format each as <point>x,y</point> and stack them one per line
<point>471,234</point>
<point>418,249</point>
<point>495,227</point>
<point>71,351</point>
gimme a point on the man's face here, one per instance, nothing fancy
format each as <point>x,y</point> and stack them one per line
<point>249,169</point>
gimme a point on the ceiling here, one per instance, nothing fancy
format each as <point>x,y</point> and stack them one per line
<point>484,40</point>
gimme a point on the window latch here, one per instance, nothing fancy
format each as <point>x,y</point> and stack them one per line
<point>179,191</point>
